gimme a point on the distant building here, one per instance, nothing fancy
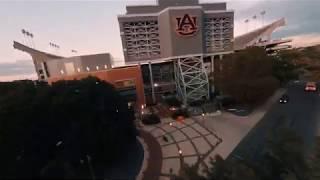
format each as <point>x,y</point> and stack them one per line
<point>175,28</point>
<point>127,80</point>
<point>176,43</point>
<point>171,47</point>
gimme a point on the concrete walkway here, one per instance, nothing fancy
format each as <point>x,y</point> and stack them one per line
<point>154,159</point>
<point>232,128</point>
<point>186,142</point>
<point>193,141</point>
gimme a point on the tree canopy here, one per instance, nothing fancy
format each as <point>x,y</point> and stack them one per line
<point>54,131</point>
<point>247,76</point>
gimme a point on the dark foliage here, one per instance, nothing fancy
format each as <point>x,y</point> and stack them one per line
<point>180,112</point>
<point>284,69</point>
<point>50,131</point>
<point>150,119</point>
<point>172,101</point>
<point>247,76</point>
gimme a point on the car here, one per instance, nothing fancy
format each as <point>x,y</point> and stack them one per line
<point>311,86</point>
<point>284,99</point>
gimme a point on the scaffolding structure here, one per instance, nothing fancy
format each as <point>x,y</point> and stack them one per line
<point>192,82</point>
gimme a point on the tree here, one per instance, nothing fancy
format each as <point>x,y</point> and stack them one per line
<point>52,130</point>
<point>190,173</point>
<point>285,68</point>
<point>247,76</point>
<point>221,169</point>
<point>286,154</point>
<point>315,161</point>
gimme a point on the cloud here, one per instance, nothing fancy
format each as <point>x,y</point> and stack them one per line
<point>18,77</point>
<point>305,40</point>
<point>302,15</point>
<point>22,69</point>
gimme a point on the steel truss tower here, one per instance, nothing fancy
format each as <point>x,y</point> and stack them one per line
<point>191,79</point>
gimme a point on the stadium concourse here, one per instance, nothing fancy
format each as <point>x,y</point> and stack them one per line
<point>169,48</point>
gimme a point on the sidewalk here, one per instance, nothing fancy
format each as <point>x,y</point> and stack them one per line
<point>232,129</point>
<point>154,161</point>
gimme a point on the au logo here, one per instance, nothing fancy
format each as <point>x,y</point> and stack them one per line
<point>186,25</point>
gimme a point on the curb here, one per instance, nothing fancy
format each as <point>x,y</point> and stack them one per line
<point>146,156</point>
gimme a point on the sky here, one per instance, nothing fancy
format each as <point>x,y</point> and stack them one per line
<point>92,27</point>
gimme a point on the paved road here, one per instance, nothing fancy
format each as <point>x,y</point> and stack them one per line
<point>301,114</point>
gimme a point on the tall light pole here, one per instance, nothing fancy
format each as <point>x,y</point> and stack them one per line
<point>31,38</point>
<point>255,23</point>
<point>247,24</point>
<point>28,36</point>
<point>262,15</point>
<point>23,31</point>
<point>55,47</point>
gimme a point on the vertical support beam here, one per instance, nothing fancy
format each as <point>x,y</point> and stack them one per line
<point>212,63</point>
<point>143,95</point>
<point>175,75</point>
<point>152,84</point>
<point>44,70</point>
<point>206,78</point>
<point>185,95</point>
<point>220,63</point>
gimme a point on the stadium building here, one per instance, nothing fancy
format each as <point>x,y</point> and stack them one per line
<point>171,47</point>
<point>176,43</point>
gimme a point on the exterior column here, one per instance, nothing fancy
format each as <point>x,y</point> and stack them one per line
<point>212,63</point>
<point>220,59</point>
<point>152,84</point>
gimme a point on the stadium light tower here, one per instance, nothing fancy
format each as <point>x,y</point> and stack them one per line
<point>247,25</point>
<point>32,42</point>
<point>23,31</point>
<point>55,47</point>
<point>262,15</point>
<point>28,38</point>
<point>255,21</point>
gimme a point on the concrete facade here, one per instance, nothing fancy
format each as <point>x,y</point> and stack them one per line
<point>175,28</point>
<point>124,79</point>
<point>78,64</point>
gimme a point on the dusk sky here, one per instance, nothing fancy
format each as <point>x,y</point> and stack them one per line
<point>91,26</point>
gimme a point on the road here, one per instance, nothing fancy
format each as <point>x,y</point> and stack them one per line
<point>301,114</point>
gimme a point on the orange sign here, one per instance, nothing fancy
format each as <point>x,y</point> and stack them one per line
<point>186,25</point>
